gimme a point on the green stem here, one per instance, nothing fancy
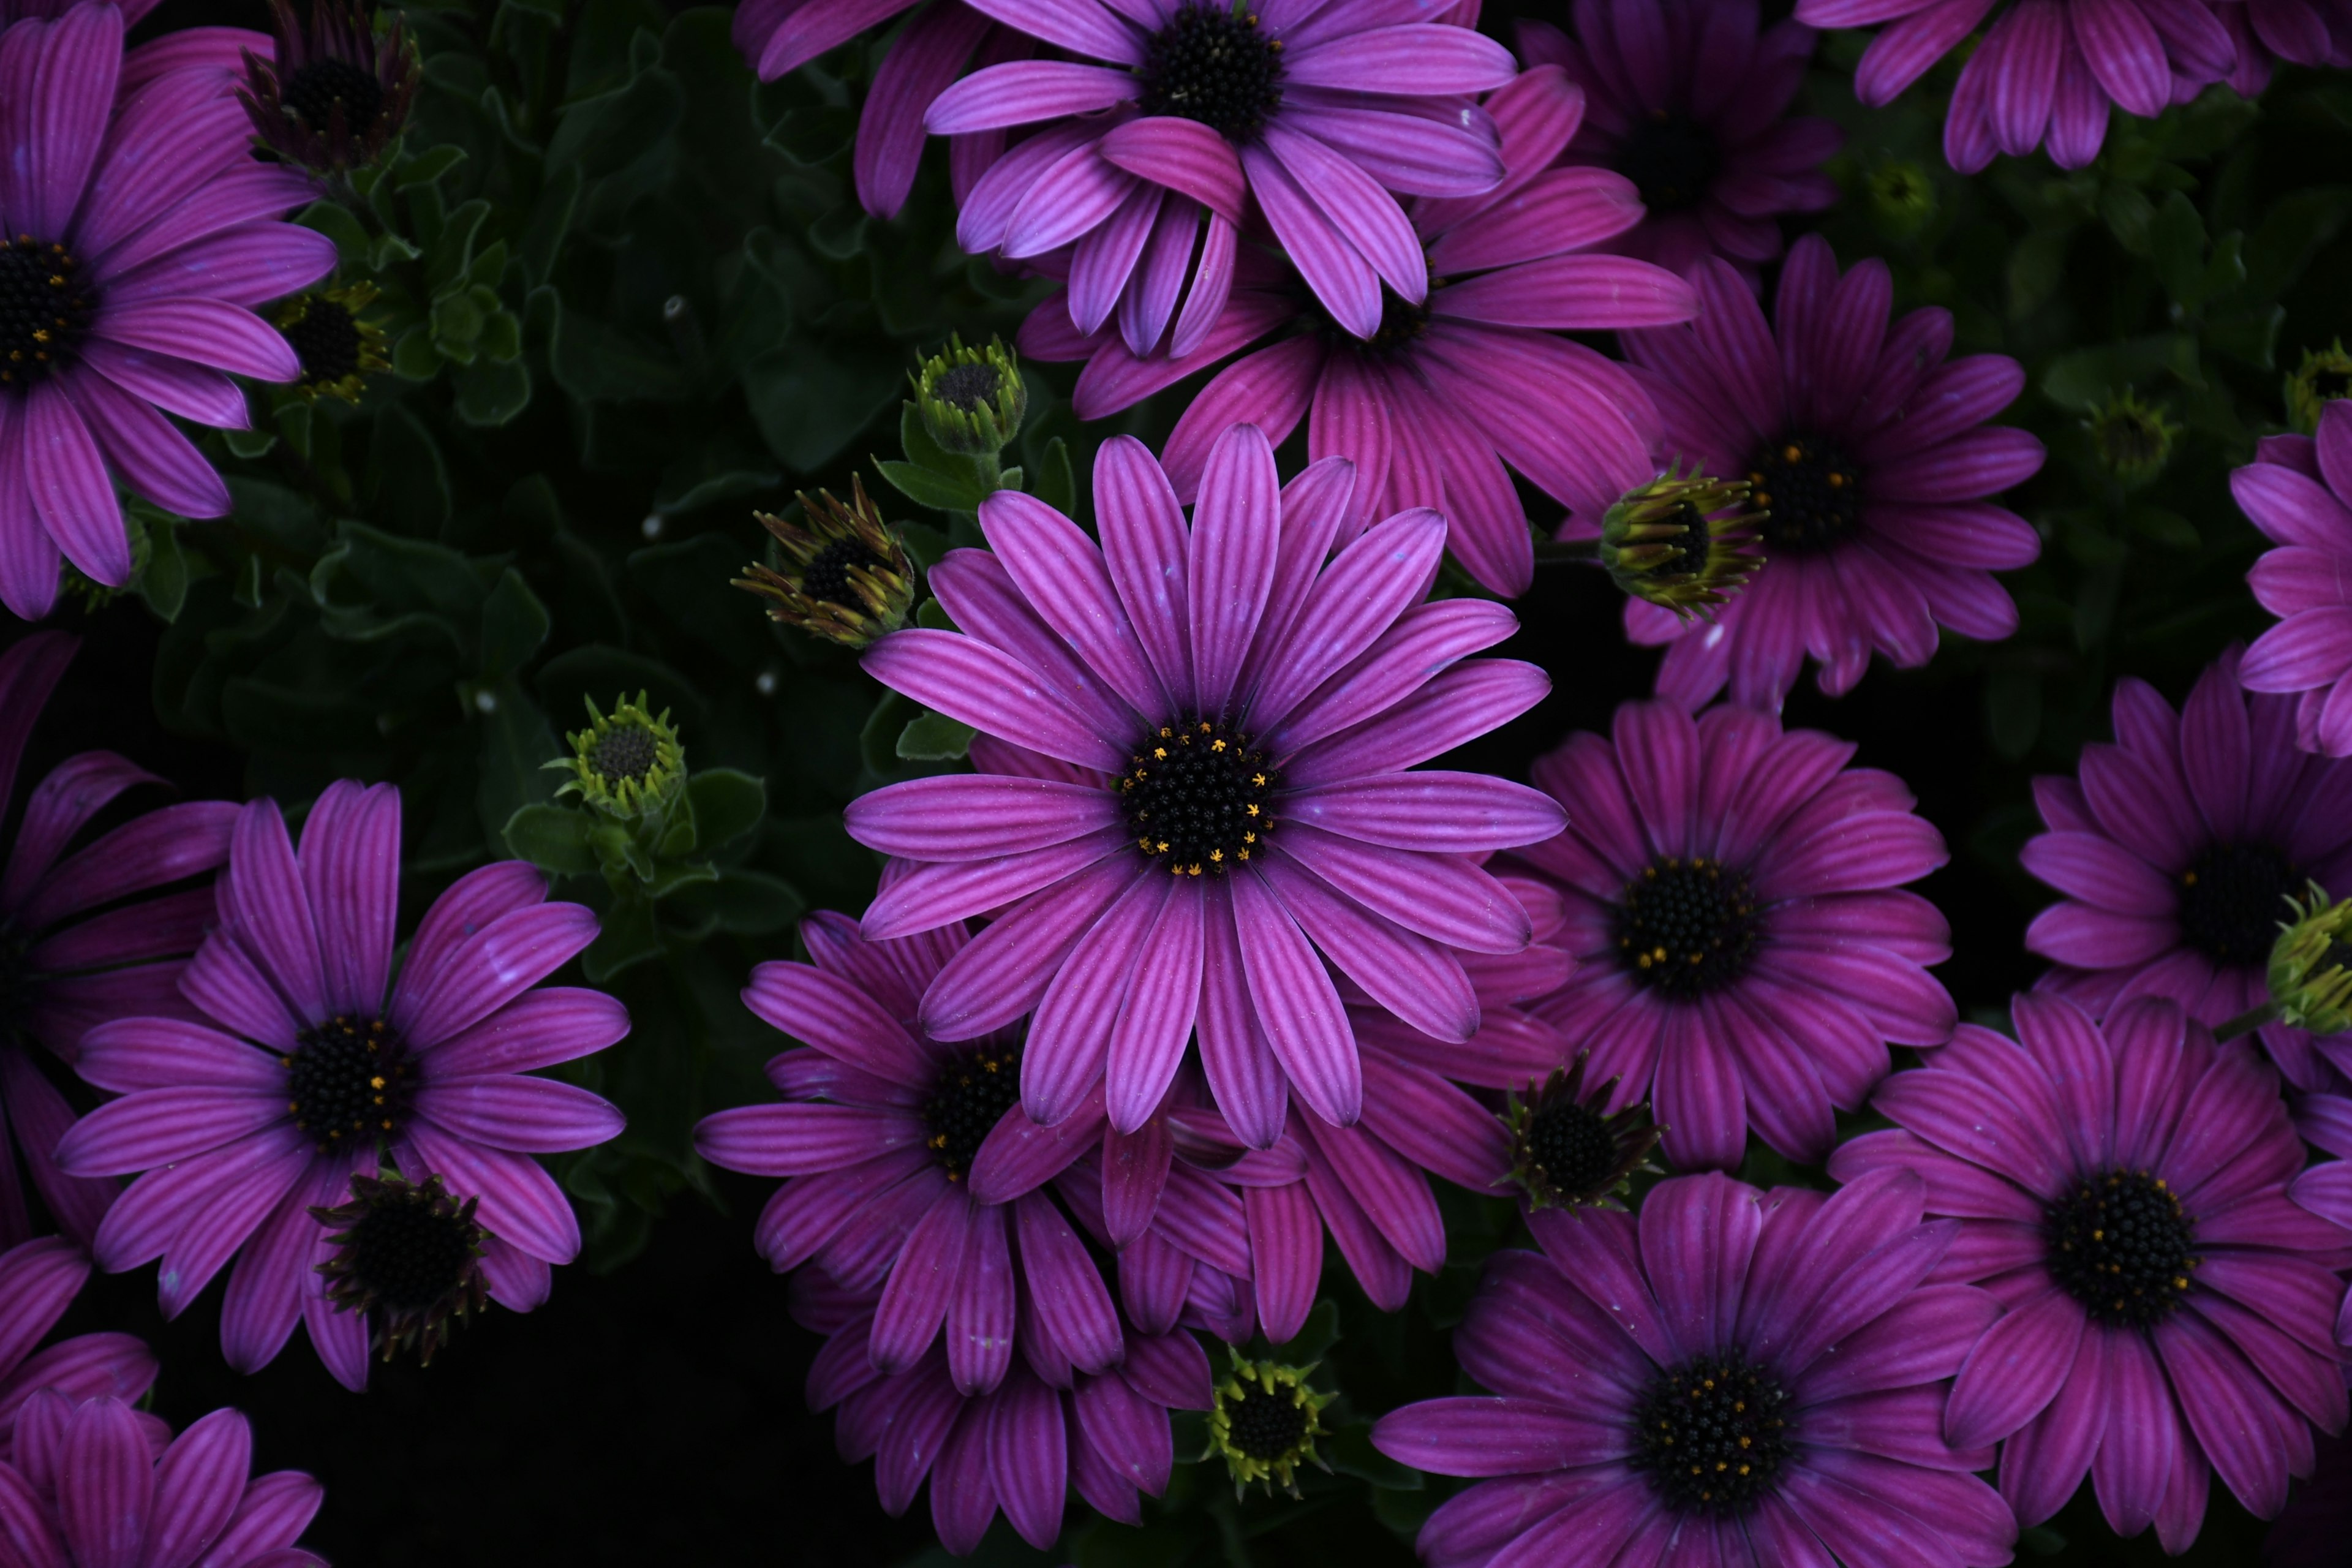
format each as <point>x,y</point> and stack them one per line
<point>2246,1023</point>
<point>1551,551</point>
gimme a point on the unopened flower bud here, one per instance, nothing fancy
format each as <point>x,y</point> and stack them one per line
<point>1683,542</point>
<point>971,400</point>
<point>1264,1423</point>
<point>2311,965</point>
<point>2324,375</point>
<point>2133,439</point>
<point>335,93</point>
<point>841,572</point>
<point>627,766</point>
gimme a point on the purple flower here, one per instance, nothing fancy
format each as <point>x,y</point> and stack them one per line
<point>2176,851</point>
<point>1733,900</point>
<point>1454,391</point>
<point>97,1482</point>
<point>1688,100</point>
<point>64,969</point>
<point>2326,1123</point>
<point>2167,1311</point>
<point>2046,71</point>
<point>311,1067</point>
<point>38,1280</point>
<point>1218,703</point>
<point>1318,110</point>
<point>2300,32</point>
<point>1738,1376</point>
<point>2298,491</point>
<point>139,234</point>
<point>1871,455</point>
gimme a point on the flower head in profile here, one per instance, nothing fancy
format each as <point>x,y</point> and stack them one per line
<point>845,574</point>
<point>2311,964</point>
<point>88,930</point>
<point>93,1480</point>
<point>409,1254</point>
<point>1731,1366</point>
<point>1459,386</point>
<point>306,1065</point>
<point>2046,72</point>
<point>333,94</point>
<point>2178,848</point>
<point>1734,900</point>
<point>2298,491</point>
<point>1264,1423</point>
<point>1684,542</point>
<point>338,348</point>
<point>1567,1152</point>
<point>129,279</point>
<point>2167,1310</point>
<point>1871,456</point>
<point>1196,786</point>
<point>1690,101</point>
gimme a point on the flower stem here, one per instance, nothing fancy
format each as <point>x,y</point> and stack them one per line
<point>1551,551</point>
<point>2247,1022</point>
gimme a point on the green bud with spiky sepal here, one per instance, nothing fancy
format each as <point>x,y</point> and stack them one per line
<point>1566,1153</point>
<point>971,400</point>
<point>1683,542</point>
<point>2325,376</point>
<point>2132,439</point>
<point>2311,964</point>
<point>1264,1423</point>
<point>627,766</point>
<point>843,574</point>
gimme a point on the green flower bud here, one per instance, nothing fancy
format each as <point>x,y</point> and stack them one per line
<point>339,352</point>
<point>2133,439</point>
<point>628,766</point>
<point>1264,1423</point>
<point>973,400</point>
<point>843,574</point>
<point>1565,1154</point>
<point>1902,196</point>
<point>1683,542</point>
<point>2324,375</point>
<point>2311,965</point>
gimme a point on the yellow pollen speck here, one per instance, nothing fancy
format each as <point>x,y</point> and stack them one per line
<point>1791,452</point>
<point>1216,745</point>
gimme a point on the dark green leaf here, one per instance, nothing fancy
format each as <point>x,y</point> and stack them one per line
<point>935,737</point>
<point>726,804</point>
<point>925,488</point>
<point>1350,1451</point>
<point>552,837</point>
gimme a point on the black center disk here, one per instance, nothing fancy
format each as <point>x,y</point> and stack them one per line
<point>1197,797</point>
<point>1211,64</point>
<point>2119,1244</point>
<point>973,1095</point>
<point>1573,1146</point>
<point>1711,1435</point>
<point>1813,494</point>
<point>43,308</point>
<point>312,92</point>
<point>1687,927</point>
<point>407,1257</point>
<point>348,1081</point>
<point>1265,1425</point>
<point>1671,159</point>
<point>827,576</point>
<point>967,387</point>
<point>1691,547</point>
<point>2232,900</point>
<point>327,341</point>
<point>627,751</point>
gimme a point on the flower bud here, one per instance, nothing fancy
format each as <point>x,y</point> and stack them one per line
<point>971,400</point>
<point>1565,1152</point>
<point>2133,439</point>
<point>843,574</point>
<point>628,766</point>
<point>1264,1423</point>
<point>2324,375</point>
<point>338,349</point>
<point>1683,542</point>
<point>2311,965</point>
<point>336,93</point>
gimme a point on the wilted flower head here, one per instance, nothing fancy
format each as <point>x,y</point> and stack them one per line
<point>1266,1423</point>
<point>626,764</point>
<point>337,93</point>
<point>973,400</point>
<point>338,349</point>
<point>1567,1152</point>
<point>2132,439</point>
<point>409,1252</point>
<point>2311,967</point>
<point>2325,376</point>
<point>1683,542</point>
<point>845,576</point>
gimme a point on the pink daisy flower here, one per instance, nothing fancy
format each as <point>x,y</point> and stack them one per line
<point>2298,491</point>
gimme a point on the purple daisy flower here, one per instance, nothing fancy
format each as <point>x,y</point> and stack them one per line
<point>136,235</point>
<point>2326,1123</point>
<point>1455,391</point>
<point>38,1280</point>
<point>2046,69</point>
<point>1737,1376</point>
<point>2298,491</point>
<point>1319,111</point>
<point>1197,788</point>
<point>68,969</point>
<point>2176,849</point>
<point>1733,901</point>
<point>2167,1312</point>
<point>1689,100</point>
<point>1873,457</point>
<point>95,1481</point>
<point>310,1064</point>
<point>2299,32</point>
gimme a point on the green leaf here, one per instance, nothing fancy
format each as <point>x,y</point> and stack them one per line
<point>2037,265</point>
<point>337,222</point>
<point>410,478</point>
<point>414,357</point>
<point>552,837</point>
<point>492,392</point>
<point>878,744</point>
<point>164,582</point>
<point>1057,485</point>
<point>814,134</point>
<point>613,130</point>
<point>2167,530</point>
<point>726,804</point>
<point>595,363</point>
<point>741,903</point>
<point>249,444</point>
<point>427,167</point>
<point>514,623</point>
<point>935,737</point>
<point>925,488</point>
<point>1314,1337</point>
<point>628,938</point>
<point>551,220</point>
<point>809,402</point>
<point>2013,710</point>
<point>2128,213</point>
<point>1350,1451</point>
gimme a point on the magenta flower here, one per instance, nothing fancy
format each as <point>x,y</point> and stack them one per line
<point>2326,1189</point>
<point>1319,111</point>
<point>95,1481</point>
<point>1217,703</point>
<point>2298,491</point>
<point>1043,1430</point>
<point>1453,391</point>
<point>2046,71</point>
<point>1871,454</point>
<point>1733,902</point>
<point>2299,32</point>
<point>1737,1376</point>
<point>2168,1311</point>
<point>139,234</point>
<point>67,968</point>
<point>1690,101</point>
<point>38,1280</point>
<point>2176,851</point>
<point>309,1066</point>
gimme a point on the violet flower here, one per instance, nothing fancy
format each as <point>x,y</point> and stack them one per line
<point>2299,32</point>
<point>38,1280</point>
<point>2298,491</point>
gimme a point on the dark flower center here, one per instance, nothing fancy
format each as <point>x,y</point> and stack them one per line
<point>1265,1425</point>
<point>1687,927</point>
<point>326,340</point>
<point>2118,1243</point>
<point>348,1081</point>
<point>408,1253</point>
<point>43,307</point>
<point>967,387</point>
<point>1689,549</point>
<point>1198,796</point>
<point>311,93</point>
<point>2233,898</point>
<point>1573,1146</point>
<point>1211,64</point>
<point>1814,493</point>
<point>1711,1435</point>
<point>1671,159</point>
<point>625,752</point>
<point>973,1093</point>
<point>827,576</point>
